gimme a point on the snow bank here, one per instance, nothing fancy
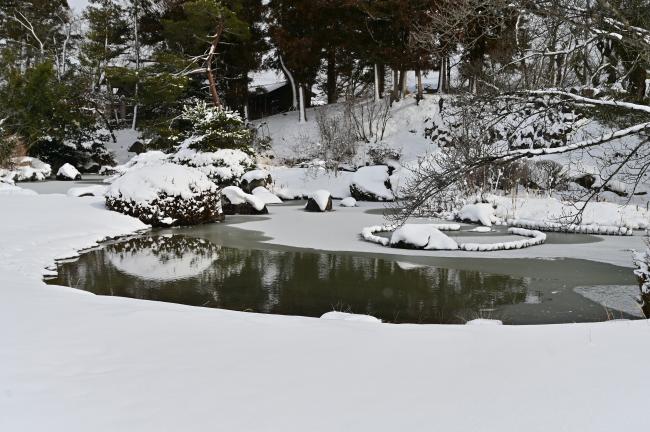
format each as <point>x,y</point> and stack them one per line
<point>345,316</point>
<point>348,202</point>
<point>371,183</point>
<point>551,210</point>
<point>10,189</point>
<point>297,183</point>
<point>482,213</point>
<point>570,228</point>
<point>236,196</point>
<point>422,236</point>
<point>265,195</point>
<point>68,172</point>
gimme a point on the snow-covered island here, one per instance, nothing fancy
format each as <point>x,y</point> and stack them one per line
<point>324,216</point>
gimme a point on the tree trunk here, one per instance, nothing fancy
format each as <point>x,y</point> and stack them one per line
<point>376,83</point>
<point>292,83</point>
<point>403,83</point>
<point>302,114</point>
<point>208,65</point>
<point>419,95</point>
<point>395,95</point>
<point>136,41</point>
<point>382,79</point>
<point>331,76</point>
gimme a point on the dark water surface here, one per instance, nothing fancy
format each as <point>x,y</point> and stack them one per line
<point>224,267</point>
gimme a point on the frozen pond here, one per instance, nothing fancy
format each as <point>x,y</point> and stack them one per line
<point>222,266</point>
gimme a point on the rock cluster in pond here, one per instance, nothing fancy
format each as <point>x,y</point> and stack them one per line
<point>166,195</point>
<point>372,183</point>
<point>251,180</point>
<point>421,236</point>
<point>25,168</point>
<point>319,201</point>
<point>236,201</point>
<point>68,172</point>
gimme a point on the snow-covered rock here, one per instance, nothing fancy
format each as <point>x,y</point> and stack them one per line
<point>68,172</point>
<point>371,183</point>
<point>254,179</point>
<point>26,168</point>
<point>346,316</point>
<point>267,196</point>
<point>481,229</point>
<point>166,194</point>
<point>236,201</point>
<point>482,213</point>
<point>348,202</point>
<point>84,191</point>
<point>422,236</point>
<point>319,201</point>
<point>484,321</point>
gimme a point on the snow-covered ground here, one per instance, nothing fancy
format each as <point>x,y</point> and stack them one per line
<point>76,362</point>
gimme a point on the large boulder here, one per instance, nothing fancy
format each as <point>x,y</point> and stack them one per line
<point>68,172</point>
<point>236,201</point>
<point>372,183</point>
<point>421,236</point>
<point>165,195</point>
<point>251,180</point>
<point>319,201</point>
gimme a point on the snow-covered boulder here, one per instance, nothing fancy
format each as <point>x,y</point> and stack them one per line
<point>421,236</point>
<point>372,183</point>
<point>482,213</point>
<point>85,191</point>
<point>166,194</point>
<point>68,172</point>
<point>225,167</point>
<point>254,179</point>
<point>348,202</point>
<point>236,201</point>
<point>267,196</point>
<point>25,168</point>
<point>319,201</point>
<point>345,316</point>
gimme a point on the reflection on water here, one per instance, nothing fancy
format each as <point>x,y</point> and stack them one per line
<point>195,271</point>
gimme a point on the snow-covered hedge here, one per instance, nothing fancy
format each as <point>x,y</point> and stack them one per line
<point>642,272</point>
<point>166,194</point>
<point>570,228</point>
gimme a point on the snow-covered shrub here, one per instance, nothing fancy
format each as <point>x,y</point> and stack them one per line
<point>7,146</point>
<point>482,213</point>
<point>372,183</point>
<point>348,202</point>
<point>548,175</point>
<point>213,128</point>
<point>381,153</point>
<point>236,201</point>
<point>337,138</point>
<point>368,117</point>
<point>88,153</point>
<point>150,158</point>
<point>225,167</point>
<point>165,194</point>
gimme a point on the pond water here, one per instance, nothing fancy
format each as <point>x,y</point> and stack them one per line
<point>221,266</point>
